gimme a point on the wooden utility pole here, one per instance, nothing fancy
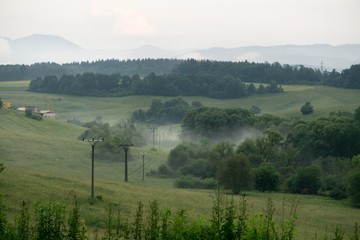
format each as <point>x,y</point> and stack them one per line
<point>143,153</point>
<point>126,148</point>
<point>153,129</point>
<point>92,142</point>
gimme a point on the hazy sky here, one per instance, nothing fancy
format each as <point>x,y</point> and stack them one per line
<point>178,24</point>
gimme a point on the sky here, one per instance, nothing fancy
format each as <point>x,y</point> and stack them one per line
<point>184,24</point>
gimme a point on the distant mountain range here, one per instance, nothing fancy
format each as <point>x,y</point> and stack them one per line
<point>50,48</point>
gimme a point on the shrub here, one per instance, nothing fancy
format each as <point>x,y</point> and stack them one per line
<point>337,194</point>
<point>164,171</point>
<point>266,178</point>
<point>50,221</point>
<point>76,229</point>
<point>306,180</point>
<point>307,109</point>
<point>23,223</point>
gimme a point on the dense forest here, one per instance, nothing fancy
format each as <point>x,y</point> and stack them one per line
<point>275,72</point>
<point>244,71</point>
<point>141,67</point>
<point>177,84</point>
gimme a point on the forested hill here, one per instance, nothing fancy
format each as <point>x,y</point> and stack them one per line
<point>275,72</point>
<point>142,67</point>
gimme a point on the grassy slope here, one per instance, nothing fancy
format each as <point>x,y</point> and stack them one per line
<point>44,159</point>
<point>324,100</point>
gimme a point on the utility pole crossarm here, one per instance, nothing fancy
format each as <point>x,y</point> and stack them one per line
<point>93,141</point>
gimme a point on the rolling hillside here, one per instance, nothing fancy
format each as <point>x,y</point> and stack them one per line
<point>112,109</point>
<point>44,160</point>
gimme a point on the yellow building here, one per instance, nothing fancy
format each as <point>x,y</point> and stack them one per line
<point>7,104</point>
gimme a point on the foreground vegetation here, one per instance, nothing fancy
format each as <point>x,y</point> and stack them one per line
<point>229,220</point>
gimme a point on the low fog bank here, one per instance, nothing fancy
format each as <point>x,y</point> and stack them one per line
<point>236,136</point>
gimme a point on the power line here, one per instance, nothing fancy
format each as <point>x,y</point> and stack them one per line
<point>92,142</point>
<point>139,169</point>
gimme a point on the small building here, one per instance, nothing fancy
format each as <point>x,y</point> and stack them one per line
<point>24,108</point>
<point>48,114</point>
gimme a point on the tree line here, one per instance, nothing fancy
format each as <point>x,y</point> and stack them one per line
<point>246,71</point>
<point>96,84</point>
<point>142,67</point>
<point>252,72</point>
<point>273,72</point>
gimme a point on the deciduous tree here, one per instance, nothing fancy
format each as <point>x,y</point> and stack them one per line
<point>235,173</point>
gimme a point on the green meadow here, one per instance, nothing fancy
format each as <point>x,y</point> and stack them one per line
<point>112,109</point>
<point>44,160</point>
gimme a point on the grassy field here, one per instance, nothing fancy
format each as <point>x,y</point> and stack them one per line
<point>44,160</point>
<point>287,104</point>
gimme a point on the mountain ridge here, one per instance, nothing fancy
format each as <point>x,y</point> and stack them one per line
<point>52,48</point>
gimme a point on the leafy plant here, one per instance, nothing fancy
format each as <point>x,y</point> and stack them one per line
<point>49,220</point>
